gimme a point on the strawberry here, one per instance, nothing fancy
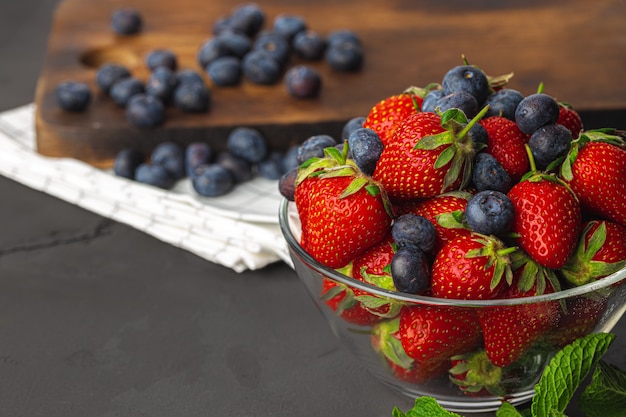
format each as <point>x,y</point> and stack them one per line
<point>429,154</point>
<point>547,218</point>
<point>388,112</point>
<point>595,169</point>
<point>506,142</point>
<point>471,267</point>
<point>342,211</point>
<point>581,316</point>
<point>570,118</point>
<point>475,375</point>
<point>601,251</point>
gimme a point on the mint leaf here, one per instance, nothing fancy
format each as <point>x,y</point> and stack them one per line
<point>566,371</point>
<point>507,410</point>
<point>605,396</point>
<point>424,407</point>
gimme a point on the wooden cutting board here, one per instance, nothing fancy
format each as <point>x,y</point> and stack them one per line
<point>576,47</point>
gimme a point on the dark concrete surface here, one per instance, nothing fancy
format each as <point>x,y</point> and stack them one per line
<point>100,320</point>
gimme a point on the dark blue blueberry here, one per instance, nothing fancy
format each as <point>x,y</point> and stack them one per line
<point>468,79</point>
<point>222,24</point>
<point>155,175</point>
<point>534,111</point>
<point>210,50</point>
<point>145,111</point>
<point>188,76</point>
<point>479,136</point>
<point>488,174</point>
<point>410,270</point>
<point>303,81</point>
<point>343,35</point>
<point>352,125</point>
<point>413,230</point>
<point>212,180</point>
<point>73,96</point>
<point>503,103</point>
<point>459,100</point>
<point>239,168</point>
<point>109,74</point>
<point>271,167</point>
<point>430,100</point>
<point>161,58</point>
<point>275,46</point>
<point>314,147</point>
<point>549,143</point>
<point>161,83</point>
<point>345,56</point>
<point>365,147</point>
<point>126,163</point>
<point>309,45</point>
<point>287,184</point>
<point>261,68</point>
<point>192,97</point>
<point>290,159</point>
<point>490,212</point>
<point>236,44</point>
<point>247,18</point>
<point>288,25</point>
<point>225,71</point>
<point>122,91</point>
<point>171,156</point>
<point>126,21</point>
<point>248,144</point>
<point>197,154</point>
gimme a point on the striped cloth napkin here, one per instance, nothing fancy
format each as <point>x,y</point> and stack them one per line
<point>239,230</point>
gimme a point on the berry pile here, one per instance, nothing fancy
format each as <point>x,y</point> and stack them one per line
<point>468,190</point>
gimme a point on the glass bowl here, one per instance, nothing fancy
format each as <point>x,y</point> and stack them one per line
<point>604,303</point>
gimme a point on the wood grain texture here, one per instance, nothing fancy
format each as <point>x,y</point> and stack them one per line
<point>576,48</point>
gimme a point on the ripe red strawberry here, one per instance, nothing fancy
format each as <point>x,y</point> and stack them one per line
<point>601,251</point>
<point>427,155</point>
<point>471,267</point>
<point>342,211</point>
<point>387,113</point>
<point>595,169</point>
<point>547,219</point>
<point>507,144</point>
<point>570,118</point>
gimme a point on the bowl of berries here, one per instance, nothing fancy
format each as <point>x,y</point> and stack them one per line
<point>460,236</point>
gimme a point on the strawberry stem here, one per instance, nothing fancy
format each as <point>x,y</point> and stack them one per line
<point>531,158</point>
<point>472,122</point>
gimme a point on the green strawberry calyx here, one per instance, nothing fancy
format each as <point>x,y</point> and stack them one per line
<point>388,345</point>
<point>498,257</point>
<point>375,304</point>
<point>533,274</point>
<point>474,372</point>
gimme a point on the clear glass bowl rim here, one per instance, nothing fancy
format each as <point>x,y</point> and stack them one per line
<point>294,245</point>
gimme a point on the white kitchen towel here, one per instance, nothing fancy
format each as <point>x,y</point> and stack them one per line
<point>239,230</point>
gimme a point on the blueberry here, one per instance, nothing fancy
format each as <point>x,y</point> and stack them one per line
<point>271,167</point>
<point>410,270</point>
<point>490,212</point>
<point>261,68</point>
<point>126,21</point>
<point>314,147</point>
<point>479,136</point>
<point>145,111</point>
<point>488,174</point>
<point>459,100</point>
<point>275,46</point>
<point>345,56</point>
<point>236,44</point>
<point>352,125</point>
<point>123,90</point>
<point>188,76</point>
<point>73,96</point>
<point>503,103</point>
<point>309,45</point>
<point>239,168</point>
<point>288,25</point>
<point>468,79</point>
<point>413,230</point>
<point>303,81</point>
<point>171,156</point>
<point>290,159</point>
<point>287,184</point>
<point>430,100</point>
<point>225,71</point>
<point>210,50</point>
<point>109,74</point>
<point>155,175</point>
<point>126,163</point>
<point>197,154</point>
<point>343,35</point>
<point>212,180</point>
<point>247,18</point>
<point>248,144</point>
<point>161,58</point>
<point>549,143</point>
<point>534,111</point>
<point>161,83</point>
<point>366,147</point>
<point>192,97</point>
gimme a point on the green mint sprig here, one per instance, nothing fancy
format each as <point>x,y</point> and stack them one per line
<point>605,396</point>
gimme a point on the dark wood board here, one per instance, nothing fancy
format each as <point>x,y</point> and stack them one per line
<point>576,48</point>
